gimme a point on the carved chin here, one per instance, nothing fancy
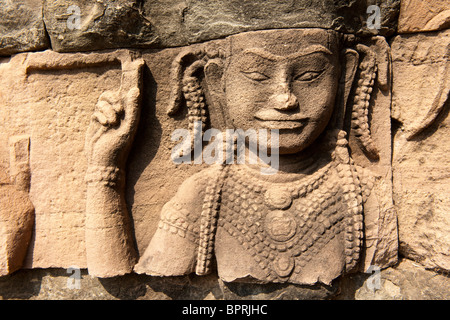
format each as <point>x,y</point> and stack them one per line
<point>291,148</point>
<point>290,143</point>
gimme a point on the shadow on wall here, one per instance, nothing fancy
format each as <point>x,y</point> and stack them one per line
<point>23,284</point>
<point>146,143</point>
<point>54,284</point>
<point>209,287</point>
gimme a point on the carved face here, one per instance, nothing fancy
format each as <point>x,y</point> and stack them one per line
<point>285,80</point>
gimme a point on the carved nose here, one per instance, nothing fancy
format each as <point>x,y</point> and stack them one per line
<point>284,99</point>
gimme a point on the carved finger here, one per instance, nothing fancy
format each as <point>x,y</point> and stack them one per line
<point>112,98</point>
<point>132,97</point>
<point>109,96</point>
<point>100,117</point>
<point>131,108</point>
<point>108,111</point>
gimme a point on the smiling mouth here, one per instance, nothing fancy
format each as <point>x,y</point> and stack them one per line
<point>282,124</point>
<point>272,119</point>
<point>280,119</point>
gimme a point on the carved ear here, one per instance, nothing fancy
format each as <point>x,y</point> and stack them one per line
<point>215,93</point>
<point>185,59</point>
<point>350,59</point>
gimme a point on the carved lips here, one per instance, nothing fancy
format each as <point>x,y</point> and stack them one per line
<point>273,119</point>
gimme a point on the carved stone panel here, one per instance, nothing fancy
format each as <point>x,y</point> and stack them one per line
<point>420,149</point>
<point>105,175</point>
<point>281,227</point>
<point>51,97</point>
<point>16,209</point>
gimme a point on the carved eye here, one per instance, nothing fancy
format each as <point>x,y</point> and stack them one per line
<point>308,76</point>
<point>256,76</point>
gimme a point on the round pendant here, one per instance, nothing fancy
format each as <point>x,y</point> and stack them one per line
<point>283,265</point>
<point>278,198</point>
<point>280,225</point>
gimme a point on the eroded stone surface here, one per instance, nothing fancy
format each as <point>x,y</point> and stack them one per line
<point>421,16</point>
<point>22,27</point>
<point>406,281</point>
<point>95,25</point>
<point>16,223</point>
<point>420,104</point>
<point>16,209</point>
<point>131,23</point>
<point>270,223</point>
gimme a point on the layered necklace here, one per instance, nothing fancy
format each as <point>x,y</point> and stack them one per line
<point>284,224</point>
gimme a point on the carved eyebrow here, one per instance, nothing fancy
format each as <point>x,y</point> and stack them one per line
<point>310,50</point>
<point>272,57</point>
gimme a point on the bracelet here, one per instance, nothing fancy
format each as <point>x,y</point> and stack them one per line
<point>108,176</point>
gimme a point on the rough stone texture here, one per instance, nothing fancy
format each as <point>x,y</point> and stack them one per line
<point>16,209</point>
<point>420,105</point>
<point>55,284</point>
<point>407,281</point>
<point>54,108</point>
<point>49,101</point>
<point>16,223</point>
<point>423,15</point>
<point>22,26</point>
<point>102,25</point>
<point>131,23</point>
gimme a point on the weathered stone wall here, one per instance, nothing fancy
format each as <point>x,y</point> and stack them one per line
<point>55,68</point>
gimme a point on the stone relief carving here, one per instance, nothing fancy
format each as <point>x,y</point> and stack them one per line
<point>109,243</point>
<point>327,211</point>
<point>321,215</point>
<point>86,174</point>
<point>16,209</point>
<point>311,221</point>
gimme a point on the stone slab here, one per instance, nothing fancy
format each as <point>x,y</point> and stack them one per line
<point>22,27</point>
<point>423,15</point>
<point>420,149</point>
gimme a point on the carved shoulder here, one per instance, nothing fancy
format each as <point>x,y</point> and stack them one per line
<point>182,213</point>
<point>173,249</point>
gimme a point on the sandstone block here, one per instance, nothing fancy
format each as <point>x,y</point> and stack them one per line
<point>22,26</point>
<point>423,15</point>
<point>16,223</point>
<point>158,24</point>
<point>420,149</point>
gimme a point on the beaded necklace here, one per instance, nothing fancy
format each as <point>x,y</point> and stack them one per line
<point>284,225</point>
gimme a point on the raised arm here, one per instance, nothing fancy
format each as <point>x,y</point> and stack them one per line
<point>110,249</point>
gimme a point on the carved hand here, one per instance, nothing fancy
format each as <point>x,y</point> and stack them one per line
<point>112,128</point>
